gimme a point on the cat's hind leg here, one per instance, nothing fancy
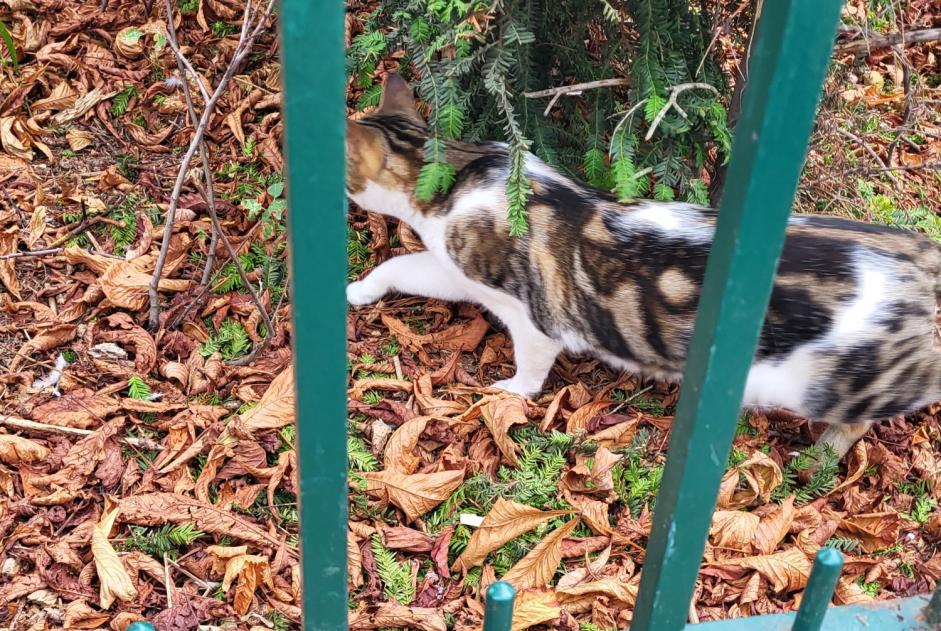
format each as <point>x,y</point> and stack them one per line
<point>418,274</point>
<point>841,437</point>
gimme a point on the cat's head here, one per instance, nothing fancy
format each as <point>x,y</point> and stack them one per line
<point>385,149</point>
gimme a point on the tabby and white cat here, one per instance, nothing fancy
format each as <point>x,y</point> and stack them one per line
<point>849,338</point>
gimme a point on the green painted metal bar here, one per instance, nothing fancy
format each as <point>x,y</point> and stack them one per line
<point>314,114</point>
<point>787,69</point>
<point>819,591</point>
<point>498,610</point>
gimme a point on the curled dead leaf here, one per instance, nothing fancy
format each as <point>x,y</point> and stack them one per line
<point>415,494</point>
<point>396,616</point>
<point>534,606</point>
<point>78,139</point>
<point>734,529</point>
<point>8,277</point>
<point>538,567</point>
<point>499,416</point>
<point>276,407</point>
<point>16,449</point>
<point>505,521</point>
<point>37,225</point>
<point>112,575</point>
<point>399,456</point>
<point>785,571</point>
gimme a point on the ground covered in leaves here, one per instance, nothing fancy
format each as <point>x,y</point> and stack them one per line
<point>145,474</point>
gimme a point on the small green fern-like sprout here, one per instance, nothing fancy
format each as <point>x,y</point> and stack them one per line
<point>396,577</point>
<point>137,388</point>
<point>165,540</point>
<point>231,341</point>
<point>122,99</point>
<point>360,458</point>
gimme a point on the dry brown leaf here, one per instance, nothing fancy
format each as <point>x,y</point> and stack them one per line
<point>8,277</point>
<point>849,592</point>
<point>408,539</point>
<point>761,475</point>
<point>873,530</point>
<point>354,562</point>
<point>593,512</point>
<point>112,575</point>
<point>14,138</point>
<point>61,97</point>
<point>48,339</point>
<point>459,337</point>
<point>79,408</point>
<point>396,616</point>
<point>499,416</point>
<point>251,571</point>
<point>538,567</point>
<point>276,407</point>
<point>78,139</point>
<point>37,225</point>
<point>415,494</point>
<point>79,615</point>
<point>82,105</point>
<point>126,283</point>
<point>505,521</point>
<point>579,598</point>
<point>534,606</point>
<point>578,575</point>
<point>734,529</point>
<point>596,478</point>
<point>398,456</point>
<point>773,528</point>
<point>16,449</point>
<point>578,422</point>
<point>785,571</point>
<point>156,509</point>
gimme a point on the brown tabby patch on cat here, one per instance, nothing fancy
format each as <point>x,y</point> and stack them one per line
<point>849,336</point>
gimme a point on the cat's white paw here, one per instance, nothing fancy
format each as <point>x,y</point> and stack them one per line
<point>514,386</point>
<point>360,293</point>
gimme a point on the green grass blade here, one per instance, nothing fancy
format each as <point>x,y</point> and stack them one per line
<point>11,47</point>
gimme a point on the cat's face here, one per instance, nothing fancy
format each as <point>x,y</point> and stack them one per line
<point>385,150</point>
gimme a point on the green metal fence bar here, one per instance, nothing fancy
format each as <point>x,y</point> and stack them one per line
<point>314,113</point>
<point>819,590</point>
<point>787,70</point>
<point>498,609</point>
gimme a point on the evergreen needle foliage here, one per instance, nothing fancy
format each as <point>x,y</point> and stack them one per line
<point>396,577</point>
<point>137,388</point>
<point>474,60</point>
<point>823,464</point>
<point>165,540</point>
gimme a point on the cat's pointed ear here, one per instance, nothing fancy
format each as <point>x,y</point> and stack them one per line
<point>365,151</point>
<point>397,96</point>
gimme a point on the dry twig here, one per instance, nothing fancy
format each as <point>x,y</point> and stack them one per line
<point>244,46</point>
<point>575,89</point>
<point>876,42</point>
<point>871,152</point>
<point>671,103</point>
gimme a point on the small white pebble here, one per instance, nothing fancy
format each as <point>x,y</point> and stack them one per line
<point>474,521</point>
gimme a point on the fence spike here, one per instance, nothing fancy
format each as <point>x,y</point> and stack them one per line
<point>140,626</point>
<point>819,590</point>
<point>498,611</point>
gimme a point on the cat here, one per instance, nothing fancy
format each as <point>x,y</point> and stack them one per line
<point>849,338</point>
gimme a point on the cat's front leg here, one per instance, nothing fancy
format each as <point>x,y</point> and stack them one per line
<point>533,351</point>
<point>418,274</point>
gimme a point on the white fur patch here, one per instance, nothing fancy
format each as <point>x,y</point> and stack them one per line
<point>780,383</point>
<point>872,286</point>
<point>679,221</point>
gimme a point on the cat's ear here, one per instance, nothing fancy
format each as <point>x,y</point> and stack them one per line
<point>397,96</point>
<point>365,151</point>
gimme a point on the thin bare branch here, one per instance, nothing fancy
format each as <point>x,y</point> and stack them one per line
<point>577,87</point>
<point>208,194</point>
<point>241,52</point>
<point>876,42</point>
<point>871,152</point>
<point>671,103</point>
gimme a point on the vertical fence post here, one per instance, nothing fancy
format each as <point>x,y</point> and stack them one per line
<point>498,609</point>
<point>314,114</point>
<point>819,591</point>
<point>787,68</point>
